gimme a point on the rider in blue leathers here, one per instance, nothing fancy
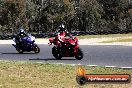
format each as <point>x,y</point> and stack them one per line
<point>21,34</point>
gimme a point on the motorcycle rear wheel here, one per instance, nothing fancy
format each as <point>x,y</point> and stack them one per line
<point>79,55</point>
<point>56,53</point>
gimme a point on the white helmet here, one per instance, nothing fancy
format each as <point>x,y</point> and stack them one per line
<point>62,26</point>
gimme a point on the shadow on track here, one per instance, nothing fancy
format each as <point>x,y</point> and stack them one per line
<point>17,53</point>
<point>46,59</point>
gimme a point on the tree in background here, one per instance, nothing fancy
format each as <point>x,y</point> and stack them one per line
<point>15,13</point>
<point>98,16</point>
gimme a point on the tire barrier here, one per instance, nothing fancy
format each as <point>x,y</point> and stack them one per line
<point>76,33</point>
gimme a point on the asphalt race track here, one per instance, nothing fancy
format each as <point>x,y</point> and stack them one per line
<point>102,55</point>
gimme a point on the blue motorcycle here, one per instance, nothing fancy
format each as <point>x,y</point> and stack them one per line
<point>28,44</point>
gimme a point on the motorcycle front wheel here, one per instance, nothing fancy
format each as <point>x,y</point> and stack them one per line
<point>19,50</point>
<point>79,54</point>
<point>56,53</point>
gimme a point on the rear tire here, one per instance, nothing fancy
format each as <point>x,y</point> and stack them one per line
<point>56,53</point>
<point>79,55</point>
<point>36,49</point>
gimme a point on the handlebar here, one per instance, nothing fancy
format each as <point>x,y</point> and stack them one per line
<point>50,44</point>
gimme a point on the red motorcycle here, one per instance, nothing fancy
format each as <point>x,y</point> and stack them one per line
<point>68,48</point>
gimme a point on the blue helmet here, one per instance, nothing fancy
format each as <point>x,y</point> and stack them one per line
<point>21,31</point>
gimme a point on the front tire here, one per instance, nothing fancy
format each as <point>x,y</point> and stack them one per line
<point>79,54</point>
<point>19,50</point>
<point>36,49</point>
<point>56,53</point>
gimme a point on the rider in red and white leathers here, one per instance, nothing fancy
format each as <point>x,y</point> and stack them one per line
<point>62,33</point>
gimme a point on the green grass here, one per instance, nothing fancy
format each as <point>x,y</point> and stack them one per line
<point>15,74</point>
<point>99,36</point>
<point>118,40</point>
<point>104,36</point>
